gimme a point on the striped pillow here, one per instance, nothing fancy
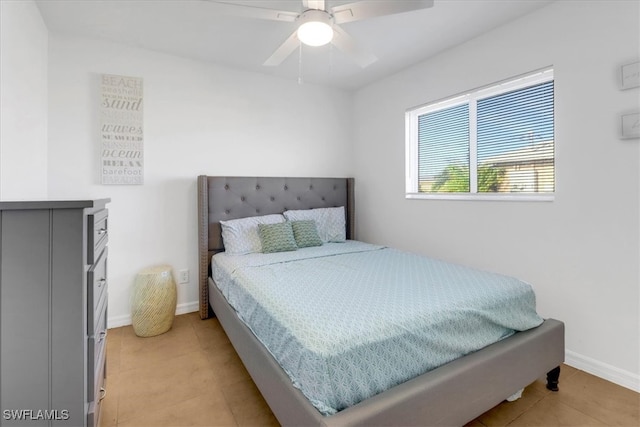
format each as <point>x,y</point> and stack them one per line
<point>306,233</point>
<point>277,237</point>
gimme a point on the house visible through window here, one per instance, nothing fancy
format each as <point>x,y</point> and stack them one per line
<point>495,142</point>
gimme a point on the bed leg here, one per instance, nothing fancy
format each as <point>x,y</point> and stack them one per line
<point>552,379</point>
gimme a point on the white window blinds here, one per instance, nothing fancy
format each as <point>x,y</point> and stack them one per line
<point>443,150</point>
<point>515,141</point>
<point>495,140</point>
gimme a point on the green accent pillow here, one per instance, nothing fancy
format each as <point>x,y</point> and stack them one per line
<point>277,237</point>
<point>306,233</point>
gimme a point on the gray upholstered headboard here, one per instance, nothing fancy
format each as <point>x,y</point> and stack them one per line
<point>224,198</point>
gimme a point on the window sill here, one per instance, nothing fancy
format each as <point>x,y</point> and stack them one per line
<point>510,197</point>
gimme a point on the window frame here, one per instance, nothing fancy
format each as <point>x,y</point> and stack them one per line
<point>471,98</point>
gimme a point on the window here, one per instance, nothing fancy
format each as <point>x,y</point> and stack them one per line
<point>492,143</point>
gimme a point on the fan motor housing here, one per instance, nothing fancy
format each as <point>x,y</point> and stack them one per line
<point>316,27</point>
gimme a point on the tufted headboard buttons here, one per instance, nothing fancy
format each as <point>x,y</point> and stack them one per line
<point>240,197</point>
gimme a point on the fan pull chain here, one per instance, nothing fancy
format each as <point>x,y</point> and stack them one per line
<point>331,59</point>
<point>300,79</point>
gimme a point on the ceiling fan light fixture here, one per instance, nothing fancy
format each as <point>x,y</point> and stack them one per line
<point>315,29</point>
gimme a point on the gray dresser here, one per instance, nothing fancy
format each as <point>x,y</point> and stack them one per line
<point>53,312</point>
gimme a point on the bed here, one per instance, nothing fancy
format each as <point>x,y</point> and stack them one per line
<point>451,394</point>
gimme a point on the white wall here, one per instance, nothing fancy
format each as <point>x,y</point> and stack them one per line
<point>581,252</point>
<point>23,102</point>
<point>198,119</point>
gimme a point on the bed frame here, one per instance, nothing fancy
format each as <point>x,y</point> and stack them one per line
<point>450,395</point>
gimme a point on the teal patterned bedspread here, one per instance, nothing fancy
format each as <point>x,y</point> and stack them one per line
<point>347,321</point>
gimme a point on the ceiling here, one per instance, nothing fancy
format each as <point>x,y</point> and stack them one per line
<point>197,29</point>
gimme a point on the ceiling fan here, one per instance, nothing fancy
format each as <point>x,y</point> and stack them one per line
<point>318,24</point>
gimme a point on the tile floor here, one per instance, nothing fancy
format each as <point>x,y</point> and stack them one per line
<point>191,376</point>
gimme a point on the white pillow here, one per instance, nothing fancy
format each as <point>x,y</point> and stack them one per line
<point>240,236</point>
<point>330,222</point>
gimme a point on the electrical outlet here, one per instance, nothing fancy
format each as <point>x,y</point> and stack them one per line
<point>183,276</point>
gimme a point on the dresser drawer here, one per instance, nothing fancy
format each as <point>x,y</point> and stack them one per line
<point>97,347</point>
<point>98,234</point>
<point>98,392</point>
<point>95,405</point>
<point>97,290</point>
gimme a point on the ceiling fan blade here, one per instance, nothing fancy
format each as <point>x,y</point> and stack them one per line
<point>285,49</point>
<point>313,4</point>
<point>348,45</point>
<point>370,9</point>
<point>245,11</point>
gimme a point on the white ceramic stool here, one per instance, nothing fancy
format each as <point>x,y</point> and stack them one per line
<point>153,302</point>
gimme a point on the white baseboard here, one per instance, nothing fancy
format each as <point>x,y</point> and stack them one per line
<point>117,321</point>
<point>187,307</point>
<point>124,320</point>
<point>610,373</point>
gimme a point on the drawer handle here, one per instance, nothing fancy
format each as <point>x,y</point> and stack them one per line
<point>103,335</point>
<point>103,393</point>
<point>102,231</point>
<point>101,282</point>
